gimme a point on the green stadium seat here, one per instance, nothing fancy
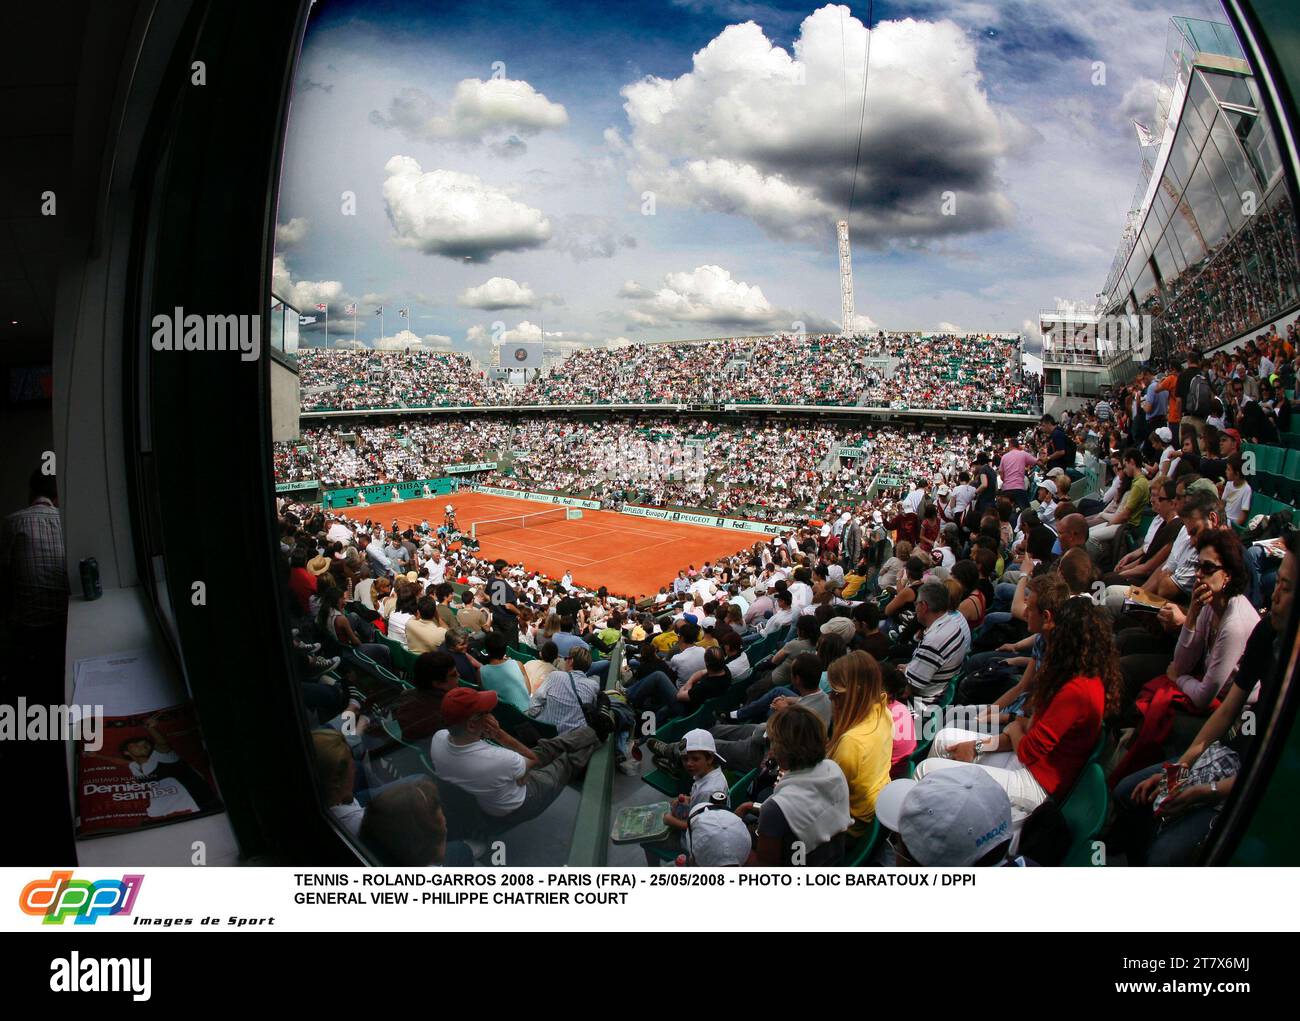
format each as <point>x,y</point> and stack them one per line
<point>520,655</point>
<point>1085,813</point>
<point>1269,459</point>
<point>1266,483</point>
<point>675,729</point>
<point>1261,503</point>
<point>741,789</point>
<point>1291,465</point>
<point>403,658</point>
<point>512,721</point>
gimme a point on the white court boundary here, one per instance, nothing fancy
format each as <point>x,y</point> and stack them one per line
<point>524,547</point>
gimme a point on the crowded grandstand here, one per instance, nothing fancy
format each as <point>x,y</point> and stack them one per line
<point>899,371</point>
<point>1078,611</point>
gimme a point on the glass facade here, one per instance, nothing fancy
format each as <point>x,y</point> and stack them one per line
<point>1216,254</point>
<point>284,327</point>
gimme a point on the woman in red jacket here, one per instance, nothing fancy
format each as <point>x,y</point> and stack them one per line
<point>1042,754</point>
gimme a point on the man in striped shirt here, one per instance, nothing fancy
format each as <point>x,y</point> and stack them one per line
<point>560,698</point>
<point>943,646</point>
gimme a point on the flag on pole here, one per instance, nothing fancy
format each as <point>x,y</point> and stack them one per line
<point>306,320</point>
<point>1145,137</point>
<point>405,313</point>
<point>350,310</point>
<point>321,306</point>
<point>379,310</point>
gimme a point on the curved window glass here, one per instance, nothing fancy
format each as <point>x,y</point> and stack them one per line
<point>1283,243</point>
<point>1206,207</point>
<point>1233,203</point>
<point>1183,157</point>
<point>1168,267</point>
<point>1188,234</point>
<point>1263,151</point>
<point>1234,158</point>
<point>1199,111</point>
<point>1229,88</point>
<point>1147,292</point>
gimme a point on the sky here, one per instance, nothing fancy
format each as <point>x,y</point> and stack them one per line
<point>676,168</point>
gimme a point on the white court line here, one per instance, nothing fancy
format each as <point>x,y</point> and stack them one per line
<point>545,551</point>
<point>642,549</point>
<point>524,555</point>
<point>671,540</point>
<point>565,539</point>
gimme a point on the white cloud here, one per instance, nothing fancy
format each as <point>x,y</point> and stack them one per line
<point>445,212</point>
<point>495,112</point>
<point>588,236</point>
<point>632,289</point>
<point>406,340</point>
<point>755,131</point>
<point>524,331</point>
<point>498,293</point>
<point>707,294</point>
<point>303,295</point>
<point>1140,100</point>
<point>946,327</point>
<point>289,234</point>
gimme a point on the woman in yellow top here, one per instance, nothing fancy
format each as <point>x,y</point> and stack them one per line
<point>862,731</point>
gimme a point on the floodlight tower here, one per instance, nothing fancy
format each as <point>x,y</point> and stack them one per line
<point>846,279</point>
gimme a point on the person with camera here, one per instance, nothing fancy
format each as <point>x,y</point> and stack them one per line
<point>1157,825</point>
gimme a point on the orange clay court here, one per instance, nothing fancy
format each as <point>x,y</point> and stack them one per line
<point>630,556</point>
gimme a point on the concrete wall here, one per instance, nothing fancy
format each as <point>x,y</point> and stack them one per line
<point>284,401</point>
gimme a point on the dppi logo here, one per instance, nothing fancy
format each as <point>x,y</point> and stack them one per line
<point>61,896</point>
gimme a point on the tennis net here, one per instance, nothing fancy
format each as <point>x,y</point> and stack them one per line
<point>480,528</point>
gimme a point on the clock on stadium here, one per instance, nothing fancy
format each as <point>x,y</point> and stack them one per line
<point>522,354</point>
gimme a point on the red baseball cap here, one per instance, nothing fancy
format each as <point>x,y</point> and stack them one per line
<point>459,704</point>
<point>1233,433</point>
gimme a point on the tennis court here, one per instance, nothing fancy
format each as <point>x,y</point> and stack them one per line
<point>630,556</point>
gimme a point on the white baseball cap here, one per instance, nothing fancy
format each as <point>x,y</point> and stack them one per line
<point>951,818</point>
<point>701,741</point>
<point>841,626</point>
<point>716,837</point>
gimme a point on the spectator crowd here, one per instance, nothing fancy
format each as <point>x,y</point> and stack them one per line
<point>959,637</point>
<point>971,372</point>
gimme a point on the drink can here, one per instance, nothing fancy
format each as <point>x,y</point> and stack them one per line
<point>90,587</point>
<point>1174,773</point>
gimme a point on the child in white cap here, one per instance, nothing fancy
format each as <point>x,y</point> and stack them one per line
<point>701,760</point>
<point>716,836</point>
